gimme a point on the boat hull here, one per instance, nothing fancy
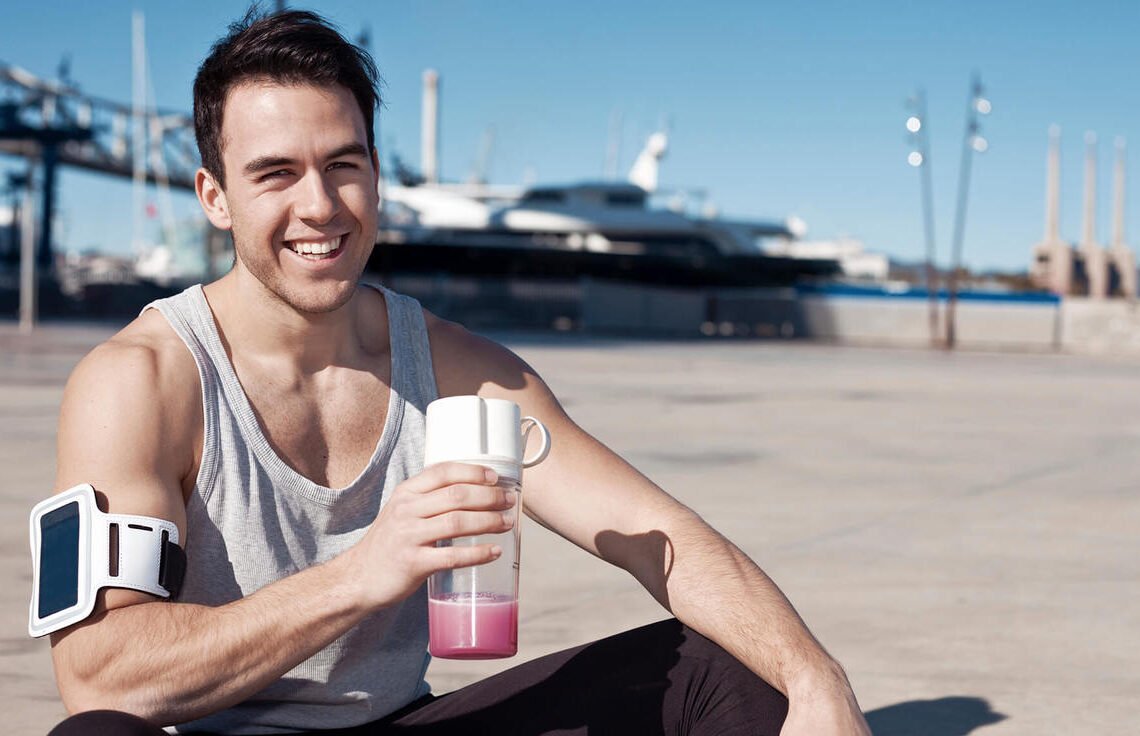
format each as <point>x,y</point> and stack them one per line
<point>696,270</point>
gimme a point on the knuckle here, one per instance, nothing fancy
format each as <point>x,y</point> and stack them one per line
<point>467,473</point>
<point>458,557</point>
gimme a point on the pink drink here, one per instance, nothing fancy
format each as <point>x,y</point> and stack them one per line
<point>483,626</point>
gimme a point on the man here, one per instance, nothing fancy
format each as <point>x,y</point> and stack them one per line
<point>245,412</point>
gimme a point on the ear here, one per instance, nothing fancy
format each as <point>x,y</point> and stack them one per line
<point>375,168</point>
<point>213,200</point>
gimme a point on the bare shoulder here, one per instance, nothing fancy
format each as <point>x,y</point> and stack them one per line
<point>146,358</point>
<point>130,410</point>
<point>466,363</point>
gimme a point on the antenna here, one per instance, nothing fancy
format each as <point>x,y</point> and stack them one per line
<point>429,127</point>
<point>480,174</point>
<point>613,146</point>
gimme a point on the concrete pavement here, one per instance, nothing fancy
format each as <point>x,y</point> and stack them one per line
<point>959,530</point>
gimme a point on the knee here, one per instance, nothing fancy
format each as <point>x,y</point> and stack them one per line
<point>106,722</point>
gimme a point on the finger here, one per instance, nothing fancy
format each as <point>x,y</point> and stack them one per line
<point>444,474</point>
<point>463,497</point>
<point>455,524</point>
<point>450,558</point>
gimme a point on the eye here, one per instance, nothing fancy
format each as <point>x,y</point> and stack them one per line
<point>273,175</point>
<point>342,165</point>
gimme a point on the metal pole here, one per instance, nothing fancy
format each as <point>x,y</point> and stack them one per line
<point>968,144</point>
<point>928,218</point>
<point>28,295</point>
<point>138,129</point>
<point>47,205</point>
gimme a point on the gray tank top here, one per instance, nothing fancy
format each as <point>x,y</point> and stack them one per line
<point>252,520</point>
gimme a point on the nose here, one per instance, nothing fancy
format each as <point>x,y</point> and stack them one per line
<point>317,200</point>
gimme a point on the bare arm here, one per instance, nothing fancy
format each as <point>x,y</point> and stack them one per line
<point>589,495</point>
<point>122,431</point>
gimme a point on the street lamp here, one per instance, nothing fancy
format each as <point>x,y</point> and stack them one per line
<point>919,157</point>
<point>972,142</point>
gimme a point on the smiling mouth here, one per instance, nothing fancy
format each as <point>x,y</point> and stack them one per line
<point>316,250</point>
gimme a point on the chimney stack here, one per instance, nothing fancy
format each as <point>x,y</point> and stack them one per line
<point>1096,260</point>
<point>1118,196</point>
<point>1053,187</point>
<point>1123,260</point>
<point>1052,266</point>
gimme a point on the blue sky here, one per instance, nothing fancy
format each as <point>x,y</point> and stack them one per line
<point>775,109</point>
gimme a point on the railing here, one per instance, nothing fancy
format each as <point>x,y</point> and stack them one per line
<point>163,140</point>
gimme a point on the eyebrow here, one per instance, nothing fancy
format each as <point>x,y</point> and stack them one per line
<point>269,162</point>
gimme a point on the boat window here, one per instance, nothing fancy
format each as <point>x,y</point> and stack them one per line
<point>625,199</point>
<point>551,196</point>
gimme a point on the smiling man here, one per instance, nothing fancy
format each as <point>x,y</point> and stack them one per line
<point>276,417</point>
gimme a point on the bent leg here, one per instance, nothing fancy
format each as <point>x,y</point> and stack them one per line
<point>106,723</point>
<point>659,679</point>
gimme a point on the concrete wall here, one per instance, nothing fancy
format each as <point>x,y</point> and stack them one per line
<point>1073,325</point>
<point>983,325</point>
<point>864,320</point>
<point>1100,326</point>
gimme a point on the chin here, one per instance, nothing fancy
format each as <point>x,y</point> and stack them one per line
<point>318,300</point>
<point>324,304</point>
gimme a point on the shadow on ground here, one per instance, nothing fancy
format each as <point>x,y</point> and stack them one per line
<point>950,716</point>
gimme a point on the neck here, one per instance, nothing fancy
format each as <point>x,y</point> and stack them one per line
<point>259,325</point>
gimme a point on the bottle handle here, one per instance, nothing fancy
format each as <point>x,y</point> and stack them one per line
<point>527,424</point>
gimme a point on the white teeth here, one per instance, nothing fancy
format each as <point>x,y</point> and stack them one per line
<point>315,248</point>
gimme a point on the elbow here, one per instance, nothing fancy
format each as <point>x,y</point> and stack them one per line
<point>80,695</point>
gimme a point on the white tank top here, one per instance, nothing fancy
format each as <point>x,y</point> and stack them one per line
<point>252,520</point>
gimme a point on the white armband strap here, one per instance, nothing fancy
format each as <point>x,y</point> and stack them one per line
<point>77,549</point>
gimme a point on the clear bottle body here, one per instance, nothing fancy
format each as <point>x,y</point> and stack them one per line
<point>473,611</point>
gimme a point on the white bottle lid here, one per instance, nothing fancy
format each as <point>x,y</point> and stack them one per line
<point>481,431</point>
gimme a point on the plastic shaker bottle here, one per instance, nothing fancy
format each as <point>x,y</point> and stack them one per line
<point>473,611</point>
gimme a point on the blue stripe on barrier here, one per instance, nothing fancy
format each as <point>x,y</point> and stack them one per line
<point>888,292</point>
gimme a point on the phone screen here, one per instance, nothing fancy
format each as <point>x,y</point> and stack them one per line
<point>59,560</point>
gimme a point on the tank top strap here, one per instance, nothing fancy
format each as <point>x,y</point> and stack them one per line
<point>406,324</point>
<point>184,318</point>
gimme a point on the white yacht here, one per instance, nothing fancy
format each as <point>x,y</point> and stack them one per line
<point>596,229</point>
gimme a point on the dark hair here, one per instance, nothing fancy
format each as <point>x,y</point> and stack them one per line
<point>292,47</point>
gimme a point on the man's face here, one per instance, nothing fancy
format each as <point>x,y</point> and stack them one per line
<point>300,190</point>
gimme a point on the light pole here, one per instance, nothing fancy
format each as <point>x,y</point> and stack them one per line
<point>972,142</point>
<point>919,157</point>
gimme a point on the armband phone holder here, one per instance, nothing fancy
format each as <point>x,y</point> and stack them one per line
<point>77,549</point>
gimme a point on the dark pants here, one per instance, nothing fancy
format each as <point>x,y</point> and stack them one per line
<point>659,679</point>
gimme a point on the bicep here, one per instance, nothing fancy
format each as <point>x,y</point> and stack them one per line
<point>588,494</point>
<point>112,435</point>
<point>583,491</point>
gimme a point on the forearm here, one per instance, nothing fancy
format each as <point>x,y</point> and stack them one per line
<point>174,662</point>
<point>714,588</point>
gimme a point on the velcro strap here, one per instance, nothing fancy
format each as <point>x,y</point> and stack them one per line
<point>172,568</point>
